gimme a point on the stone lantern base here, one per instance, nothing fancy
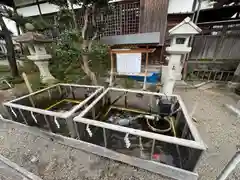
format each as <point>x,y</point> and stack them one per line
<point>42,64</point>
<point>46,76</point>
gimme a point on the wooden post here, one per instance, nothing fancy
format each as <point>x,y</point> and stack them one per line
<point>28,87</point>
<point>112,71</point>
<point>71,127</point>
<point>27,82</point>
<point>146,72</point>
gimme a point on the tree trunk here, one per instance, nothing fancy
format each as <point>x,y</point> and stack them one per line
<point>85,64</point>
<point>85,48</point>
<point>73,15</point>
<point>86,69</point>
<point>10,48</point>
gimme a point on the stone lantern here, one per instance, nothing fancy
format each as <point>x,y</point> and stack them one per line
<point>38,54</point>
<point>180,35</point>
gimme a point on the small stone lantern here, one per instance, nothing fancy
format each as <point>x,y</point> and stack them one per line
<point>180,35</point>
<point>35,44</point>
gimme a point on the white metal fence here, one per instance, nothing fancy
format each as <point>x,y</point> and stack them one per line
<point>187,145</point>
<point>37,109</point>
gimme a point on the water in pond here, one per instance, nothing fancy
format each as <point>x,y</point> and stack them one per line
<point>63,105</point>
<point>141,147</point>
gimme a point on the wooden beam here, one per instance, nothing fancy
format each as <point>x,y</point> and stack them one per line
<point>140,50</point>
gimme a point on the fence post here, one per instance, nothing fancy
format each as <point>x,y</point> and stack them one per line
<point>230,167</point>
<point>71,127</point>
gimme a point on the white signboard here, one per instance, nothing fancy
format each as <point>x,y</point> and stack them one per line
<point>129,63</point>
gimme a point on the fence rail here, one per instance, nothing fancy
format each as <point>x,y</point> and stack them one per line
<point>216,47</point>
<point>214,75</point>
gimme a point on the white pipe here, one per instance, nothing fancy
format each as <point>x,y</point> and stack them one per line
<point>75,108</point>
<point>4,80</point>
<point>36,92</point>
<point>230,167</point>
<point>34,118</point>
<point>63,115</point>
<point>139,91</point>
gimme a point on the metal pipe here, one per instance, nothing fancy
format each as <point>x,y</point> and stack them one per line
<point>139,91</point>
<point>23,116</point>
<point>152,150</point>
<point>104,137</point>
<point>36,110</point>
<point>189,122</point>
<point>4,80</point>
<point>47,122</point>
<point>230,167</point>
<point>75,108</point>
<point>34,93</point>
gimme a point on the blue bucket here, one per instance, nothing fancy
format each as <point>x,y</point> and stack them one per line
<point>153,78</point>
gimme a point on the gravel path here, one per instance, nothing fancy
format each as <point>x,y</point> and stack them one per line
<point>218,127</point>
<point>51,161</point>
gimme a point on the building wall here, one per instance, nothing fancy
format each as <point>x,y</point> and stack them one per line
<point>185,6</point>
<point>175,6</point>
<point>153,11</point>
<point>46,8</point>
<point>180,6</point>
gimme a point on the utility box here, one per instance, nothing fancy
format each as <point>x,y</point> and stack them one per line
<point>144,129</point>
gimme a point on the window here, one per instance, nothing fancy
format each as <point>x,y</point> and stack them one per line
<point>180,40</point>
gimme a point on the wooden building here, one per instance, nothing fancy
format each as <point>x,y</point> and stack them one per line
<point>129,17</point>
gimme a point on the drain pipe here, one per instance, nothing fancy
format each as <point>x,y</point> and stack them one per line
<point>195,20</point>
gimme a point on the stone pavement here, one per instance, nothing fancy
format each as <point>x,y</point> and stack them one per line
<point>11,171</point>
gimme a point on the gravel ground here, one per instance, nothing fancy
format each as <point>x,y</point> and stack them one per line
<point>218,127</point>
<point>51,161</point>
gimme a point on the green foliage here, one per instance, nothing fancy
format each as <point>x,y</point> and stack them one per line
<point>66,62</point>
<point>4,68</point>
<point>128,83</point>
<point>14,80</point>
<point>60,3</point>
<point>11,80</point>
<point>100,59</point>
<point>63,3</point>
<point>64,18</point>
<point>40,24</point>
